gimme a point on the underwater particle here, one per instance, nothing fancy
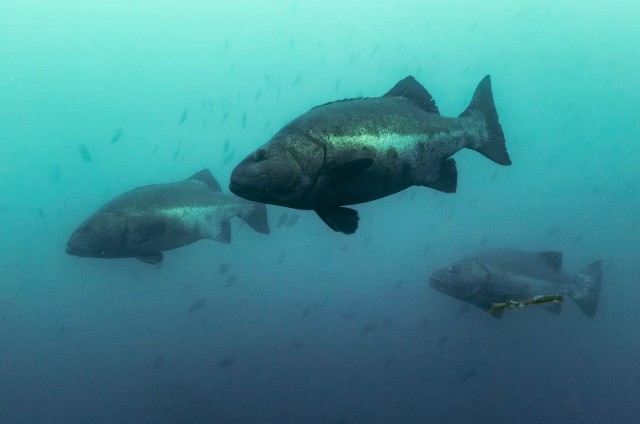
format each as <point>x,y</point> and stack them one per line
<point>398,286</point>
<point>282,220</point>
<point>231,281</point>
<point>183,118</point>
<point>389,362</point>
<point>296,345</point>
<point>244,120</point>
<point>223,268</point>
<point>228,158</point>
<point>198,305</point>
<point>117,135</point>
<point>176,152</point>
<point>84,153</point>
<point>226,146</point>
<point>293,220</point>
<point>369,328</point>
<point>226,362</point>
<point>442,341</point>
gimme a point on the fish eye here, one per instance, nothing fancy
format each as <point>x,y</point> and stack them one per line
<point>452,269</point>
<point>260,155</point>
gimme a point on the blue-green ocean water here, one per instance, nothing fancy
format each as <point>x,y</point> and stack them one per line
<point>308,325</point>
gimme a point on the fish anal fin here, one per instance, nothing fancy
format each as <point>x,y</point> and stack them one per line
<point>340,219</point>
<point>347,170</point>
<point>207,179</point>
<point>153,258</point>
<point>256,216</point>
<point>552,258</point>
<point>447,181</point>
<point>411,89</point>
<point>224,232</point>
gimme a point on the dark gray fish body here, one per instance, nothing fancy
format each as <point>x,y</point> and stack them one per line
<point>148,220</point>
<point>358,150</point>
<point>495,276</point>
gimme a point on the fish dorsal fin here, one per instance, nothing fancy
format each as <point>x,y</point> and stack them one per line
<point>206,178</point>
<point>411,89</point>
<point>552,258</point>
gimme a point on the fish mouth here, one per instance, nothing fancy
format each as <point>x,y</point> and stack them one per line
<point>249,191</point>
<point>250,186</point>
<point>457,291</point>
<point>437,284</point>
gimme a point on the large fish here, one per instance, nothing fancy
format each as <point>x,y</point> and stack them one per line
<point>357,150</point>
<point>148,220</point>
<point>499,279</point>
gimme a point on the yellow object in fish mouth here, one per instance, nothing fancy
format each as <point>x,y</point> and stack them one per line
<point>514,304</point>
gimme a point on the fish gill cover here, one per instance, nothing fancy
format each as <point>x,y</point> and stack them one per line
<point>306,325</point>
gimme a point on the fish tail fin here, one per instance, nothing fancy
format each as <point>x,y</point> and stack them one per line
<point>587,293</point>
<point>482,105</point>
<point>256,216</point>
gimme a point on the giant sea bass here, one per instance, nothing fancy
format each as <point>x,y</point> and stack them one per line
<point>358,150</point>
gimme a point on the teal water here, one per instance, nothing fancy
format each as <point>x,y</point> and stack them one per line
<point>307,325</point>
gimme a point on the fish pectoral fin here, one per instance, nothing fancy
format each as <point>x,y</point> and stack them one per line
<point>346,171</point>
<point>447,181</point>
<point>340,219</point>
<point>144,232</point>
<point>153,258</point>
